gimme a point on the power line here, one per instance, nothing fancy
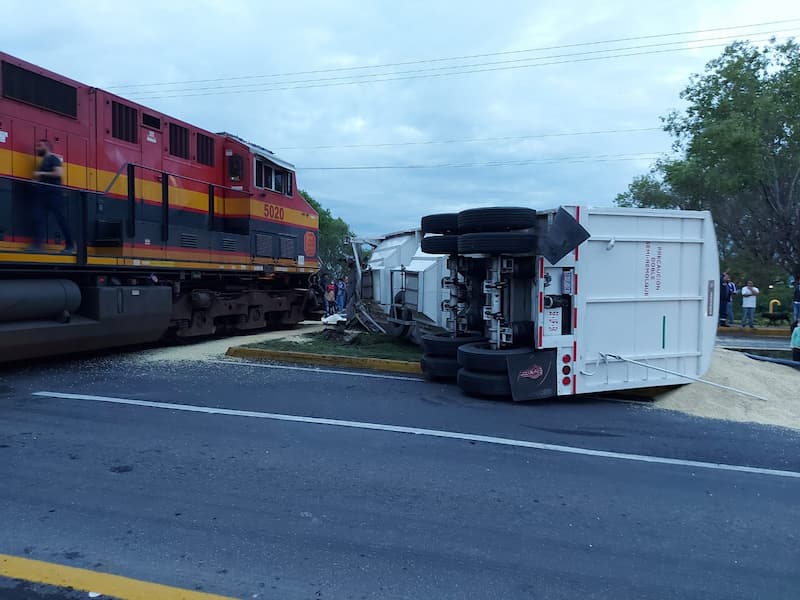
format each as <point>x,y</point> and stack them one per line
<point>260,85</point>
<point>452,58</point>
<point>457,69</point>
<point>500,163</point>
<point>470,140</point>
<point>431,75</point>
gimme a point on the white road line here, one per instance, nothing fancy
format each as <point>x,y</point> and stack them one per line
<point>426,432</point>
<point>315,370</point>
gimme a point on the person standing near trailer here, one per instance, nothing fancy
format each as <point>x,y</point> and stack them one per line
<point>341,294</point>
<point>731,293</point>
<point>330,299</point>
<point>724,300</point>
<point>749,294</point>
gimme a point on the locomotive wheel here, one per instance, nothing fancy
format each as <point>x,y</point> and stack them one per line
<point>446,344</point>
<point>440,244</point>
<point>478,383</point>
<point>441,223</point>
<point>506,242</point>
<point>499,218</point>
<point>480,357</point>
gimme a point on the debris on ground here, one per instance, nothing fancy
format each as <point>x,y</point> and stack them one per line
<point>334,319</point>
<point>216,348</point>
<point>338,336</point>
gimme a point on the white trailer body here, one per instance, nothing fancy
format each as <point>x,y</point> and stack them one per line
<point>644,288</point>
<point>398,265</point>
<point>394,250</point>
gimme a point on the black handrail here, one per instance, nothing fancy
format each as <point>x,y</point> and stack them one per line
<point>210,206</point>
<point>130,169</point>
<point>168,174</point>
<point>164,208</point>
<point>131,200</point>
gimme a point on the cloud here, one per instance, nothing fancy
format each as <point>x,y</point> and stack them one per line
<point>108,44</point>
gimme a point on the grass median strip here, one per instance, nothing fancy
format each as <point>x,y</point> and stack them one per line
<point>359,350</point>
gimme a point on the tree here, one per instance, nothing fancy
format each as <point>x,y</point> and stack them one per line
<point>334,235</point>
<point>739,147</point>
<point>649,190</point>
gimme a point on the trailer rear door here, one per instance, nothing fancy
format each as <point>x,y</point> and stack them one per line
<point>647,292</point>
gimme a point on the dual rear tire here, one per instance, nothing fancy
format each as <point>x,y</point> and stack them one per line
<point>494,230</point>
<point>440,358</point>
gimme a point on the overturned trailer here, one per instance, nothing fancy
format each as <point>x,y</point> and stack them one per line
<point>567,301</point>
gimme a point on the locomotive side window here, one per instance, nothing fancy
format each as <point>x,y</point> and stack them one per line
<point>259,173</point>
<point>235,167</point>
<point>278,181</point>
<point>264,175</point>
<point>205,150</point>
<point>178,141</point>
<point>288,184</point>
<point>124,122</point>
<point>268,177</point>
<point>37,90</point>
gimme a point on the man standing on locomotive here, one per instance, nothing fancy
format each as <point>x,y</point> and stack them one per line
<point>49,198</point>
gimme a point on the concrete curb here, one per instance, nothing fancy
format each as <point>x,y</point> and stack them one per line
<point>736,331</point>
<point>376,364</point>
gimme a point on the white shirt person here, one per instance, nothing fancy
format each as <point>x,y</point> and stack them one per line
<point>749,293</point>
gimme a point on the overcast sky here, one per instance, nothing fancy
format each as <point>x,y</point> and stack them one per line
<point>113,43</point>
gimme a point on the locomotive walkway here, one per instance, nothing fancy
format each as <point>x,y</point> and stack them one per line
<point>270,481</point>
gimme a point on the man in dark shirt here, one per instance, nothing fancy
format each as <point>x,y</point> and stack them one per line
<point>49,198</point>
<point>724,298</point>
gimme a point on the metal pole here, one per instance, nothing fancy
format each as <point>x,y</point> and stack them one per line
<point>724,387</point>
<point>357,256</point>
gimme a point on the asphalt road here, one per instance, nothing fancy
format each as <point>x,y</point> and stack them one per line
<point>257,507</point>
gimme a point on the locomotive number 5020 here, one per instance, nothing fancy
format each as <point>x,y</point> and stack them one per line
<point>273,212</point>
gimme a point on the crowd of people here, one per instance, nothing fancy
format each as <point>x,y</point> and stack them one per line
<point>749,294</point>
<point>334,292</point>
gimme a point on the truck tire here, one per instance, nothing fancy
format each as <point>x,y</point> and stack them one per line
<point>478,383</point>
<point>446,344</point>
<point>441,223</point>
<point>505,242</point>
<point>480,357</point>
<point>440,244</point>
<point>439,367</point>
<point>499,218</point>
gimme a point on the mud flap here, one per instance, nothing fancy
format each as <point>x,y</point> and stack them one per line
<point>533,376</point>
<point>563,235</point>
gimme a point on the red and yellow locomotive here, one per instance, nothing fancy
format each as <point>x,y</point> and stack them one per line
<point>177,229</point>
